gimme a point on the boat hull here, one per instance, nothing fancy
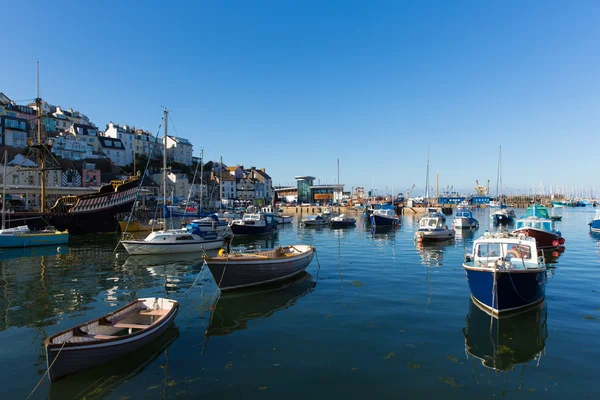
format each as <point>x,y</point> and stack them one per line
<point>139,247</point>
<point>465,223</point>
<point>136,226</point>
<point>34,239</point>
<point>544,239</point>
<point>514,290</point>
<point>595,225</point>
<point>342,224</point>
<point>379,220</point>
<point>434,235</point>
<point>240,230</point>
<point>69,360</point>
<point>104,220</point>
<point>502,219</point>
<point>231,275</point>
<point>283,219</point>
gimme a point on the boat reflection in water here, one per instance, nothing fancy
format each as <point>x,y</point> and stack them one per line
<point>233,311</point>
<point>100,381</point>
<point>9,254</point>
<point>503,343</point>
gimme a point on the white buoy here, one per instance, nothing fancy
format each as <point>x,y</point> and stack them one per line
<point>58,249</point>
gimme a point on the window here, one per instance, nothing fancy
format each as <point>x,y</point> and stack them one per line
<point>15,179</point>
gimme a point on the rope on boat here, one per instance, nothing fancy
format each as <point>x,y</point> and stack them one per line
<point>318,263</point>
<point>516,291</point>
<point>47,371</point>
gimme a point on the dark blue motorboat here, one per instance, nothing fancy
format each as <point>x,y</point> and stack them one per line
<point>505,273</point>
<point>384,216</point>
<point>254,224</point>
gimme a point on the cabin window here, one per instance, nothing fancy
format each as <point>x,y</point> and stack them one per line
<point>489,250</point>
<point>186,237</point>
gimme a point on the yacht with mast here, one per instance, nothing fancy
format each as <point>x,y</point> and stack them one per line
<point>502,215</point>
<point>171,241</point>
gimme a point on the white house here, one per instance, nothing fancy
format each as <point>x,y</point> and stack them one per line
<point>179,150</point>
<point>113,149</point>
<point>148,145</point>
<point>126,134</point>
<point>72,147</point>
<point>178,185</point>
<point>228,186</point>
<point>13,131</point>
<point>87,133</point>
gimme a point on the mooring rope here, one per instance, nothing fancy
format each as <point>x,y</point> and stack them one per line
<point>47,371</point>
<point>196,280</point>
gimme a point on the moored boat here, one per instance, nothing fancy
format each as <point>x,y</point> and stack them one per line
<point>280,219</point>
<point>537,224</point>
<point>241,270</point>
<point>253,224</point>
<point>20,237</point>
<point>213,223</point>
<point>315,220</point>
<point>342,221</point>
<point>432,228</point>
<point>503,216</point>
<point>188,240</point>
<point>595,222</point>
<point>138,226</point>
<point>505,273</point>
<point>108,337</point>
<point>463,219</point>
<point>384,216</point>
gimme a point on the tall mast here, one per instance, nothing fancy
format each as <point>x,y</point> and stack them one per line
<point>427,178</point>
<point>201,179</point>
<point>500,169</point>
<point>164,177</point>
<point>42,156</point>
<point>221,184</point>
<point>4,193</point>
<point>338,182</point>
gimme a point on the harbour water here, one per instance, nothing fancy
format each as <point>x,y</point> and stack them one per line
<point>374,316</point>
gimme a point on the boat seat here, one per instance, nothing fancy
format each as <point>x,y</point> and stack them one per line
<point>101,337</point>
<point>154,312</point>
<point>133,326</point>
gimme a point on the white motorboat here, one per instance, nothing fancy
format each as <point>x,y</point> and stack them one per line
<point>315,220</point>
<point>213,223</point>
<point>463,219</point>
<point>431,228</point>
<point>173,241</point>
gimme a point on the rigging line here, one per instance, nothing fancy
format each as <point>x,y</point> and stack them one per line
<point>140,184</point>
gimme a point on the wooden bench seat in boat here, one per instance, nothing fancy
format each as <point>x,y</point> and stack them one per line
<point>154,312</point>
<point>134,326</point>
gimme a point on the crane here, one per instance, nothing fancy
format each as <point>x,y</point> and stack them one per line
<point>408,192</point>
<point>480,190</point>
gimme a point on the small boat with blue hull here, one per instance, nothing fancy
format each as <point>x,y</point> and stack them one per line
<point>503,216</point>
<point>505,273</point>
<point>432,228</point>
<point>595,223</point>
<point>213,223</point>
<point>254,224</point>
<point>22,237</point>
<point>463,219</point>
<point>384,216</point>
<point>342,221</point>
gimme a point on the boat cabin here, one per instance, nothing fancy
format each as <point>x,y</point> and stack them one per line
<point>519,252</point>
<point>535,223</point>
<point>463,213</point>
<point>431,222</point>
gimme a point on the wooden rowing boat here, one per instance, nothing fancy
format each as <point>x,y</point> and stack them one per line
<point>108,337</point>
<point>241,270</point>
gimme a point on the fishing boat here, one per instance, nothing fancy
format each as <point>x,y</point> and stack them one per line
<point>431,228</point>
<point>537,224</point>
<point>463,219</point>
<point>505,273</point>
<point>342,221</point>
<point>173,241</point>
<point>108,337</point>
<point>242,270</point>
<point>595,222</point>
<point>384,216</point>
<point>280,219</point>
<point>254,224</point>
<point>503,216</point>
<point>315,220</point>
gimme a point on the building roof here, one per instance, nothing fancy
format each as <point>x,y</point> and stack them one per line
<point>263,174</point>
<point>111,143</point>
<point>180,140</point>
<point>232,168</point>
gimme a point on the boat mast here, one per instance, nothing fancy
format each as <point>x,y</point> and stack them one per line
<point>427,179</point>
<point>4,193</point>
<point>38,103</point>
<point>500,170</point>
<point>221,184</point>
<point>338,181</point>
<point>164,177</point>
<point>201,179</point>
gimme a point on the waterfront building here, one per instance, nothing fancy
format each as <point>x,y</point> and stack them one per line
<point>113,149</point>
<point>237,172</point>
<point>90,175</point>
<point>147,145</point>
<point>264,184</point>
<point>245,189</point>
<point>306,192</point>
<point>178,185</point>
<point>13,131</point>
<point>71,147</point>
<point>303,184</point>
<point>179,150</point>
<point>229,186</point>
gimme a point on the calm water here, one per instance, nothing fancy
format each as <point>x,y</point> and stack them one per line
<point>375,315</point>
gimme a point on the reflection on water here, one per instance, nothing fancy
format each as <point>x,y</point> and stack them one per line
<point>233,311</point>
<point>254,242</point>
<point>501,344</point>
<point>432,253</point>
<point>100,381</point>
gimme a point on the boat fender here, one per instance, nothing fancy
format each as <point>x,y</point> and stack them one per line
<point>223,253</point>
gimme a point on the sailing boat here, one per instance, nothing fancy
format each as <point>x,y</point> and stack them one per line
<point>174,241</point>
<point>503,215</point>
<point>21,236</point>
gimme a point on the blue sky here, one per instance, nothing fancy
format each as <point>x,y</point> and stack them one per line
<point>292,86</point>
